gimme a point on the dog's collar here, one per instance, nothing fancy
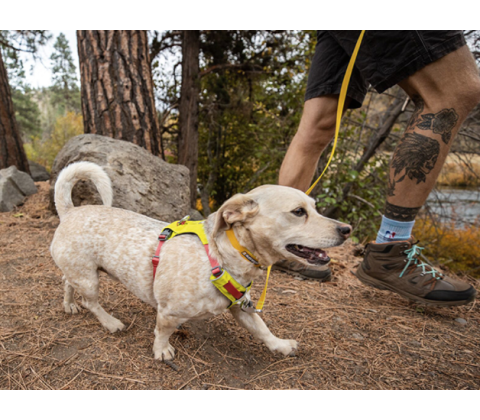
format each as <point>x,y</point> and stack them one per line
<point>244,252</point>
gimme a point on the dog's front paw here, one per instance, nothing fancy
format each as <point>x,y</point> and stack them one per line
<point>286,347</point>
<point>165,354</point>
<point>71,308</point>
<point>113,325</point>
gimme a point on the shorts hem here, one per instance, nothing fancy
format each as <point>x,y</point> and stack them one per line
<point>355,95</point>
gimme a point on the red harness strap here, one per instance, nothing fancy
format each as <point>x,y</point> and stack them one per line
<point>216,270</point>
<point>162,238</point>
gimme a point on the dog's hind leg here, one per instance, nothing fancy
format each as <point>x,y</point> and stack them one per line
<point>87,286</point>
<point>68,300</point>
<point>255,326</point>
<point>165,327</point>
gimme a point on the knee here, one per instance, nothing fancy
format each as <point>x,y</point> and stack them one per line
<point>473,96</point>
<point>317,131</point>
<point>468,97</point>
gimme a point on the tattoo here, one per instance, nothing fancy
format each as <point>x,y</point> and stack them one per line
<point>414,157</point>
<point>402,214</point>
<point>419,107</point>
<point>441,123</point>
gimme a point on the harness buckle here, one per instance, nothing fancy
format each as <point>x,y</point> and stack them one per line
<point>217,271</point>
<point>247,306</point>
<point>165,235</point>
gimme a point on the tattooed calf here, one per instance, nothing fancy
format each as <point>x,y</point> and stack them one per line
<point>414,157</point>
<point>441,123</point>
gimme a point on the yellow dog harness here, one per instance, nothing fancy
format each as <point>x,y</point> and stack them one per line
<point>220,278</point>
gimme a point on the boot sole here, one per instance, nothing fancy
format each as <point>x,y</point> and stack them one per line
<point>324,279</point>
<point>378,284</point>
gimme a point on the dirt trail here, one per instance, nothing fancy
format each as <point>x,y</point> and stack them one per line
<point>351,337</point>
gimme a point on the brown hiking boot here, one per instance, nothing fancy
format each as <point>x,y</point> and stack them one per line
<point>397,266</point>
<point>321,274</point>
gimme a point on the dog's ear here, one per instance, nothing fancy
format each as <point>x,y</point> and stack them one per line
<point>239,208</point>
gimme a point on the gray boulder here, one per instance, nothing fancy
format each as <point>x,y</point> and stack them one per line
<point>38,172</point>
<point>15,186</point>
<point>141,182</point>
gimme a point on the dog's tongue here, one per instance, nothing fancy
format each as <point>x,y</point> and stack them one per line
<point>321,253</point>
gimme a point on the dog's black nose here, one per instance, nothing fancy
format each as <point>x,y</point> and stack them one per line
<point>344,230</point>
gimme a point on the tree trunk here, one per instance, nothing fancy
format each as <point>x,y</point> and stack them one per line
<point>11,145</point>
<point>117,87</point>
<point>188,109</point>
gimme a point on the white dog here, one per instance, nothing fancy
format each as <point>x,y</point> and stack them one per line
<point>273,222</point>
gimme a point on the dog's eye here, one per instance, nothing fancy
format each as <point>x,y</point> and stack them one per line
<point>299,212</point>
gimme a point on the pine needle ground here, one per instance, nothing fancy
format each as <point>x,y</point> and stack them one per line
<point>350,336</point>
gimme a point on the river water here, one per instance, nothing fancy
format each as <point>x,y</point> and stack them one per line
<point>459,205</point>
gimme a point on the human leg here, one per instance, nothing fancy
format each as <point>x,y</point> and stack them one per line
<point>314,133</point>
<point>317,126</point>
<point>444,92</point>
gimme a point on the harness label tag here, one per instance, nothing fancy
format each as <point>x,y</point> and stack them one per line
<point>249,257</point>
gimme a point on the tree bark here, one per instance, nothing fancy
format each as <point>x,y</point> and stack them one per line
<point>11,145</point>
<point>188,109</point>
<point>117,87</point>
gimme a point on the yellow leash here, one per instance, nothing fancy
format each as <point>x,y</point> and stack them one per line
<point>341,103</point>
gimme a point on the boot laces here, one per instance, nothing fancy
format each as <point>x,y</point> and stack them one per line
<point>412,257</point>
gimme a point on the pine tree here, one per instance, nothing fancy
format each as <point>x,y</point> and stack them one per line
<point>117,87</point>
<point>11,145</point>
<point>66,94</point>
<point>27,112</point>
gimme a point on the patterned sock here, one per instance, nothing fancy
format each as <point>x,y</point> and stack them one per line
<point>393,230</point>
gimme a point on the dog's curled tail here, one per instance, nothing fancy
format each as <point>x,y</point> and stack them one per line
<point>80,171</point>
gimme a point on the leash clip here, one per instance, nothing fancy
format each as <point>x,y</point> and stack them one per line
<point>247,306</point>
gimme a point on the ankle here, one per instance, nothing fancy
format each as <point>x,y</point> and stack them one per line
<point>393,230</point>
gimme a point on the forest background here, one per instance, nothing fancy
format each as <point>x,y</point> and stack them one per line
<point>250,93</point>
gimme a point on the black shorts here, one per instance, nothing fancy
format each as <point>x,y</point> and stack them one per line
<point>385,58</point>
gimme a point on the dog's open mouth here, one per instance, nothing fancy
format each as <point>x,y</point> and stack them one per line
<point>312,255</point>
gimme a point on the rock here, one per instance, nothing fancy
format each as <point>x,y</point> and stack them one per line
<point>461,321</point>
<point>141,182</point>
<point>22,180</point>
<point>38,172</point>
<point>358,336</point>
<point>195,215</point>
<point>15,186</point>
<point>9,195</point>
